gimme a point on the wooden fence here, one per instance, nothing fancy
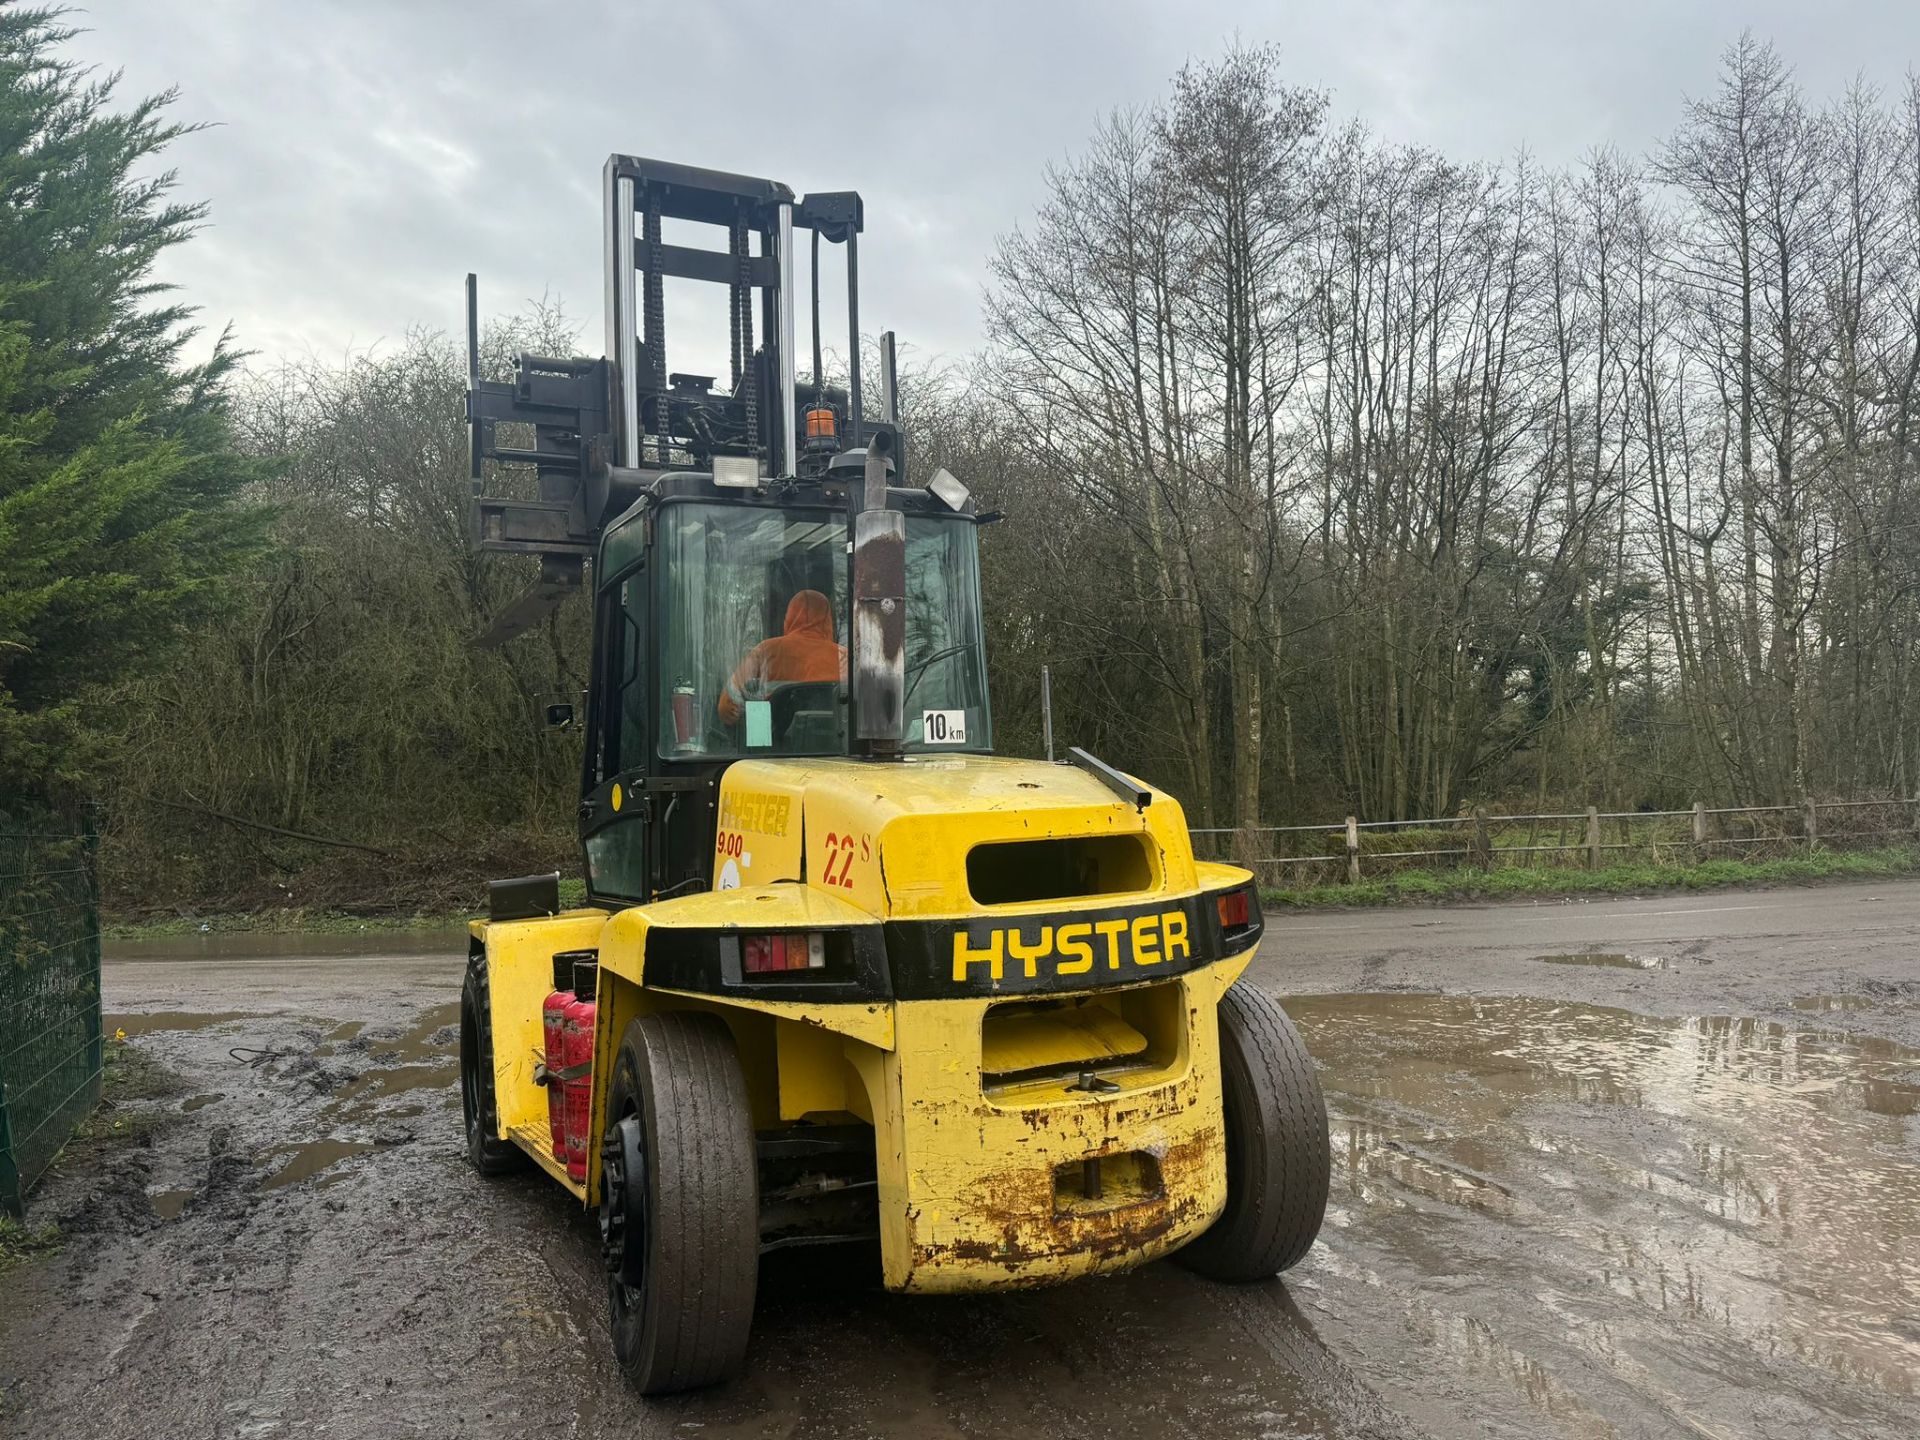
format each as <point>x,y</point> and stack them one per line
<point>1289,857</point>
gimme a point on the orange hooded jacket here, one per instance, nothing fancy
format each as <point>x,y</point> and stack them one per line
<point>807,652</point>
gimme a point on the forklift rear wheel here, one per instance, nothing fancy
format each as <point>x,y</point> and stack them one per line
<point>489,1153</point>
<point>1278,1155</point>
<point>679,1203</point>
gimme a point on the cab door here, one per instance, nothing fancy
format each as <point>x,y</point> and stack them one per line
<point>615,807</point>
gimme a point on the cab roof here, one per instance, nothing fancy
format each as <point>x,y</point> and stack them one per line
<point>623,540</point>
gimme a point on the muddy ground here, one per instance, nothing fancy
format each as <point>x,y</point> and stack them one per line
<point>1626,1168</point>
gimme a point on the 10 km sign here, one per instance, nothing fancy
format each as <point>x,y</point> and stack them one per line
<point>943,727</point>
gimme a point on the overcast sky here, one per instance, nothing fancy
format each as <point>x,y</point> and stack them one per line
<point>365,154</point>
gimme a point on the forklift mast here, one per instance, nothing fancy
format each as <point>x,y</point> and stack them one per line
<point>603,431</point>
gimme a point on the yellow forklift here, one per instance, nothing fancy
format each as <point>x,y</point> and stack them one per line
<point>842,975</point>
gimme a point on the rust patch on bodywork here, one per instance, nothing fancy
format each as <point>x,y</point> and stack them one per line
<point>1022,1234</point>
<point>992,1180</point>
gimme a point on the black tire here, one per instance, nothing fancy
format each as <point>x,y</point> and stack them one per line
<point>1279,1159</point>
<point>680,1204</point>
<point>489,1154</point>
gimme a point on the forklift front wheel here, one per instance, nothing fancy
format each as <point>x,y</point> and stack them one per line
<point>489,1153</point>
<point>679,1203</point>
<point>1278,1156</point>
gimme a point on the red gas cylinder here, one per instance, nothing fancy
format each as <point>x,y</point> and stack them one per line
<point>553,1015</point>
<point>576,1051</point>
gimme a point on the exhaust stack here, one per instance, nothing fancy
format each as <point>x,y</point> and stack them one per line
<point>879,609</point>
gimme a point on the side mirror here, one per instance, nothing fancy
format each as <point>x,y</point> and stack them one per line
<point>560,717</point>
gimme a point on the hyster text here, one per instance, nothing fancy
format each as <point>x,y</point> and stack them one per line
<point>1074,949</point>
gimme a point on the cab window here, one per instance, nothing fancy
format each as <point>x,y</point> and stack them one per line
<point>753,631</point>
<point>946,665</point>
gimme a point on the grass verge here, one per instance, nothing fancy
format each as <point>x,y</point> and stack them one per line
<point>279,922</point>
<point>1636,878</point>
<point>128,1079</point>
<point>20,1243</point>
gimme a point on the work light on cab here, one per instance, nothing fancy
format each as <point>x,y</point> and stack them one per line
<point>736,472</point>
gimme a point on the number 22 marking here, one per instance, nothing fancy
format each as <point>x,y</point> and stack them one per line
<point>840,853</point>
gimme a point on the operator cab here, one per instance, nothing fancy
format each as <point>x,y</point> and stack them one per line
<point>695,577</point>
<point>717,580</point>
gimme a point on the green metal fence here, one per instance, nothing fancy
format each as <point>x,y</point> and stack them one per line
<point>50,1050</point>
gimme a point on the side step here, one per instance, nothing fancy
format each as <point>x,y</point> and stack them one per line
<point>537,1141</point>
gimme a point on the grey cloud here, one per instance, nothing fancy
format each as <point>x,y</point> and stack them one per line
<point>363,157</point>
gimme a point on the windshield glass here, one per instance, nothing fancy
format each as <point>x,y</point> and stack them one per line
<point>753,627</point>
<point>946,694</point>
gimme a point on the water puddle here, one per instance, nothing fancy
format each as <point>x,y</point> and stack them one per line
<point>155,1020</point>
<point>1611,960</point>
<point>345,1036</point>
<point>1884,1097</point>
<point>168,1204</point>
<point>1476,1348</point>
<point>303,1162</point>
<point>423,1057</point>
<point>436,1033</point>
<point>1377,1150</point>
<point>1757,1178</point>
<point>399,1080</point>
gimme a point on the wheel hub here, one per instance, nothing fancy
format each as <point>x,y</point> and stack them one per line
<point>623,1202</point>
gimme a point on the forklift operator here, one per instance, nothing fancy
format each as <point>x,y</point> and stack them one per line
<point>807,652</point>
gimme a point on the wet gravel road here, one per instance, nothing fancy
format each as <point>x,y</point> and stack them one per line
<point>1628,1168</point>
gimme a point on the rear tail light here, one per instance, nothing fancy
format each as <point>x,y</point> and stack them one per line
<point>762,954</point>
<point>1234,910</point>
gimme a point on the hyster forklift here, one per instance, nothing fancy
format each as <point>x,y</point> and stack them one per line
<point>841,975</point>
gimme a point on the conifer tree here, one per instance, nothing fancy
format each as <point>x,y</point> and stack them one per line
<point>119,476</point>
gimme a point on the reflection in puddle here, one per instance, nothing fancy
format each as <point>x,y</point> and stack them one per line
<point>306,1161</point>
<point>1889,1097</point>
<point>1611,960</point>
<point>1374,1151</point>
<point>1832,1002</point>
<point>1477,1348</point>
<point>1766,1184</point>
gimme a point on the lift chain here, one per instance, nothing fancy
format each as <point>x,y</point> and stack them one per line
<point>656,325</point>
<point>743,385</point>
<point>733,301</point>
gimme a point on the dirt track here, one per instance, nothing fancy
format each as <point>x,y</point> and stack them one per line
<point>1632,1168</point>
